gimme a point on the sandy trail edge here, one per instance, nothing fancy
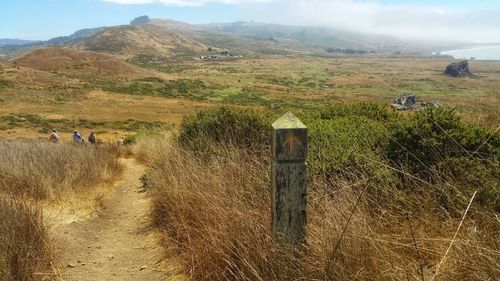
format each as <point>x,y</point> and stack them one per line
<point>117,244</point>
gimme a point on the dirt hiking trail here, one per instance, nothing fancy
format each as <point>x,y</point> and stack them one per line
<point>117,243</point>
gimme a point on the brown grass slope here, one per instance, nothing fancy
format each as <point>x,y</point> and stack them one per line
<point>130,40</point>
<point>72,62</point>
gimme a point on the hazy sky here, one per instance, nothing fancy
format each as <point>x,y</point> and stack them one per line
<point>457,20</point>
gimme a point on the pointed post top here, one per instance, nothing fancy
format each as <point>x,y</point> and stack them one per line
<point>288,121</point>
<point>289,139</point>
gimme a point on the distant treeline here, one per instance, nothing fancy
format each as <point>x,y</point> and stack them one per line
<point>348,51</point>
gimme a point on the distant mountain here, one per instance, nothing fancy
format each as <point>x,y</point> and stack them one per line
<point>16,42</point>
<point>304,36</point>
<point>10,48</point>
<point>77,36</point>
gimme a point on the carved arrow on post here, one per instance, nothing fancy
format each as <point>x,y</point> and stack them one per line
<point>292,141</point>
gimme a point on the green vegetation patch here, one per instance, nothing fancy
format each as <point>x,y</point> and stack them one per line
<point>153,86</point>
<point>225,127</point>
<point>159,63</point>
<point>308,81</point>
<point>6,83</point>
<point>400,152</point>
<point>193,89</point>
<point>45,125</point>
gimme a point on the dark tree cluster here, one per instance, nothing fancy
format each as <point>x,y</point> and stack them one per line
<point>348,51</point>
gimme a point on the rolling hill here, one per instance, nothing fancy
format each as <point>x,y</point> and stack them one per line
<point>71,62</point>
<point>132,40</point>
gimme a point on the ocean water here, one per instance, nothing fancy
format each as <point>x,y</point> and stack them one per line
<point>479,53</point>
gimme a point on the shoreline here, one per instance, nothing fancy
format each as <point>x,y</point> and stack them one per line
<point>489,52</point>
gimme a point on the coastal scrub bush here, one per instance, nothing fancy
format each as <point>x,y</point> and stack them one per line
<point>370,110</point>
<point>435,146</point>
<point>211,129</point>
<point>436,134</point>
<point>351,143</point>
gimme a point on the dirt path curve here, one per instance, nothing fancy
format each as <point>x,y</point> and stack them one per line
<point>115,245</point>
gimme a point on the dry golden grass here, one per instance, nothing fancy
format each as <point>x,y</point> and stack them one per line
<point>25,251</point>
<point>150,149</point>
<point>36,175</point>
<point>217,211</point>
<point>44,170</point>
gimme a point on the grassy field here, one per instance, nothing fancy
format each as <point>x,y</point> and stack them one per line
<point>158,91</point>
<point>309,81</point>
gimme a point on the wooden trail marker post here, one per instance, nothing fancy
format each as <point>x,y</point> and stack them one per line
<point>289,179</point>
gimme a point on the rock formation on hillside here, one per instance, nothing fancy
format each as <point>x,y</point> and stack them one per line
<point>409,102</point>
<point>140,20</point>
<point>458,69</point>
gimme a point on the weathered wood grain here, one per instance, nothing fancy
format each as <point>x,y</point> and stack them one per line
<point>289,179</point>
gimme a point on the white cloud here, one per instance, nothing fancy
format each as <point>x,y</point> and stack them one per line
<point>185,3</point>
<point>430,22</point>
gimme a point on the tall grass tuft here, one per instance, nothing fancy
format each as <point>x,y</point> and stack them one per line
<point>49,171</point>
<point>25,251</point>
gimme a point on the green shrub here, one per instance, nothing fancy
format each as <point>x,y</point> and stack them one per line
<point>227,127</point>
<point>130,139</point>
<point>346,147</point>
<point>435,135</point>
<point>369,110</point>
<point>138,87</point>
<point>182,87</point>
<point>365,142</point>
<point>466,175</point>
<point>457,159</point>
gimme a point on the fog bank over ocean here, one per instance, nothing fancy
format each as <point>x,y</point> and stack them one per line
<point>479,53</point>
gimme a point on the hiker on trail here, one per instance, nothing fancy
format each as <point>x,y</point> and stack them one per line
<point>92,138</point>
<point>77,137</point>
<point>54,137</point>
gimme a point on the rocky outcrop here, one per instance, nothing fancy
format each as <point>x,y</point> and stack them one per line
<point>409,102</point>
<point>140,20</point>
<point>404,102</point>
<point>458,69</point>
